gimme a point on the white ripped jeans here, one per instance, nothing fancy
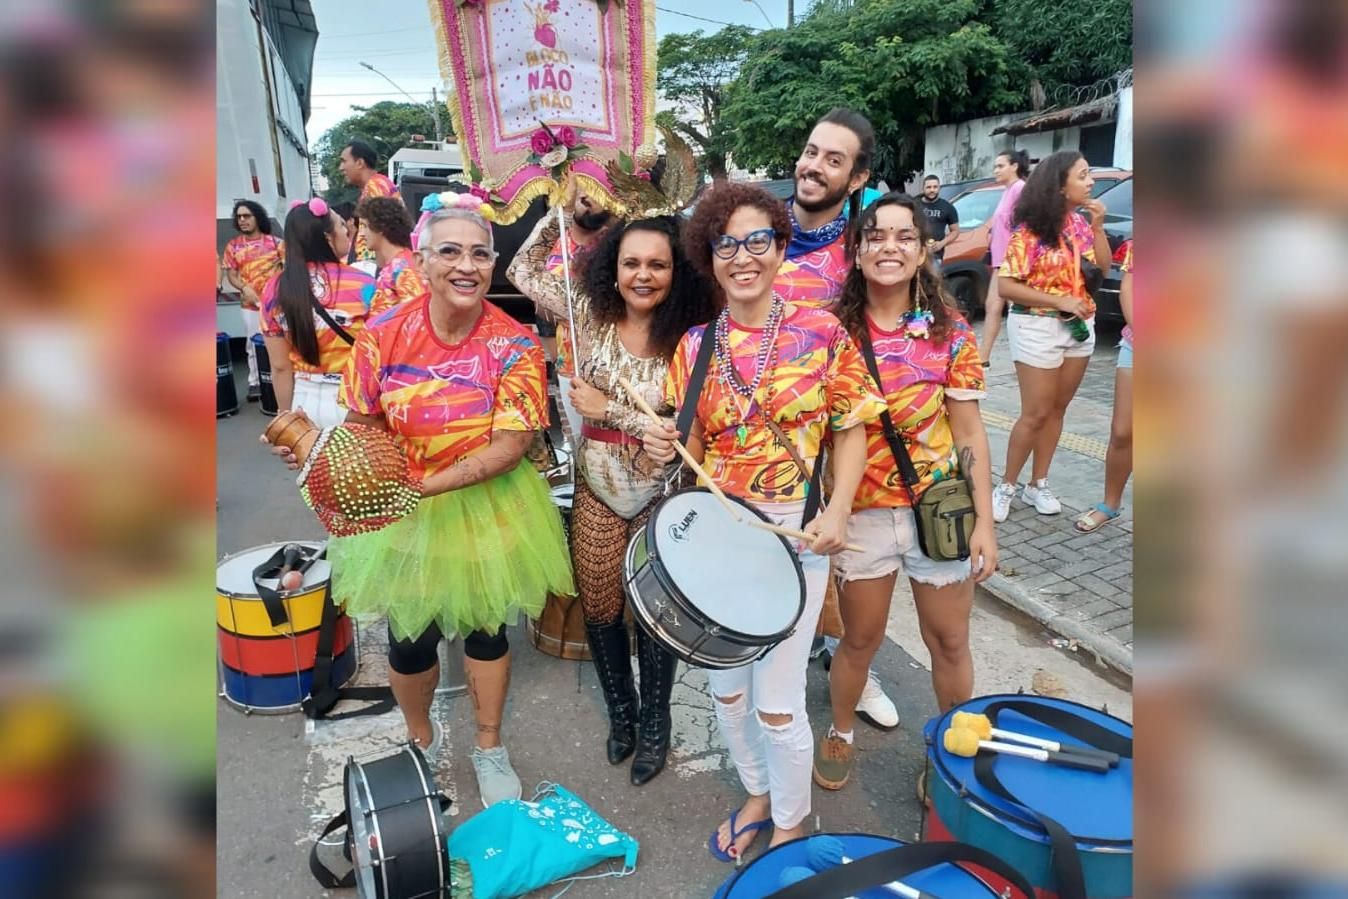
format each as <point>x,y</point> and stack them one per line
<point>775,759</point>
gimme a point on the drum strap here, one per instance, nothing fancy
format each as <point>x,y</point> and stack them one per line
<point>328,878</point>
<point>1069,878</point>
<point>684,423</point>
<point>894,864</point>
<point>323,695</point>
<point>291,557</point>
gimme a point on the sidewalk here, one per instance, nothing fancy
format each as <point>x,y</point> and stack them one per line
<point>1079,586</point>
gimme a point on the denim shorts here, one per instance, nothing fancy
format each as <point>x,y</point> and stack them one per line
<point>1125,353</point>
<point>888,541</point>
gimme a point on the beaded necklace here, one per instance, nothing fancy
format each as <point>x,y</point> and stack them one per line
<point>764,362</point>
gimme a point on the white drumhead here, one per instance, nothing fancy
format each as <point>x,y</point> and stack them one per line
<point>740,576</point>
<point>235,574</point>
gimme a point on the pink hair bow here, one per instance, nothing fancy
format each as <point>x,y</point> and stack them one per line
<point>317,206</point>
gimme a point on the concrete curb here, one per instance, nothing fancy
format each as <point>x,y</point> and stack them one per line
<point>1106,649</point>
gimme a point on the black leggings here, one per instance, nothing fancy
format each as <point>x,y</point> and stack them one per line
<point>419,655</point>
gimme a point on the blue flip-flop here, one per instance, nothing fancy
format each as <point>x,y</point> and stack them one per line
<point>724,856</point>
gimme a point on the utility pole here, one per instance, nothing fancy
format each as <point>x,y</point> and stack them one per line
<point>790,13</point>
<point>435,112</point>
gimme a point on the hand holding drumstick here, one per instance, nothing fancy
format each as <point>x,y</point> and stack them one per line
<point>661,442</point>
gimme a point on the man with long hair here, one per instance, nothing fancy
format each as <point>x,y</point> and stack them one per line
<point>249,262</point>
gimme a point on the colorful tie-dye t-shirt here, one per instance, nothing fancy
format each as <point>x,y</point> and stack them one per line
<point>918,375</point>
<point>348,295</point>
<point>256,259</point>
<point>815,278</point>
<point>1126,267</point>
<point>1051,269</point>
<point>399,281</point>
<point>379,185</point>
<point>442,402</point>
<point>566,367</point>
<point>819,382</point>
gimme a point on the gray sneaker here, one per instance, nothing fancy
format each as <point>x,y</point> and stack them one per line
<point>496,780</point>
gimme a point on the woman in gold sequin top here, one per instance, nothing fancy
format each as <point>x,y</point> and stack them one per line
<point>635,298</point>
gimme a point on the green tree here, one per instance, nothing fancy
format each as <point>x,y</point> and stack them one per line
<point>908,64</point>
<point>693,71</point>
<point>1064,43</point>
<point>386,126</point>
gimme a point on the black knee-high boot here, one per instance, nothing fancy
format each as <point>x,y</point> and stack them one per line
<point>657,681</point>
<point>611,652</point>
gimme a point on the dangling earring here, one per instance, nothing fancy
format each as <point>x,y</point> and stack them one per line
<point>917,321</point>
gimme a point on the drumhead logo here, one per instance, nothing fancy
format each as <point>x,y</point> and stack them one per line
<point>679,530</point>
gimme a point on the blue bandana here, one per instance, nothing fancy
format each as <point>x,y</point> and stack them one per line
<point>803,241</point>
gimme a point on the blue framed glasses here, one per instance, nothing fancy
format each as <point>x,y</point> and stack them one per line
<point>756,242</point>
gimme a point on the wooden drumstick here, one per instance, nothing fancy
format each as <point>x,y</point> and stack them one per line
<point>645,407</point>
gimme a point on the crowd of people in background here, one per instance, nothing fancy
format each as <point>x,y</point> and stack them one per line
<point>830,327</point>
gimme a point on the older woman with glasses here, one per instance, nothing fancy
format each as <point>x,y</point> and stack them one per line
<point>783,379</point>
<point>459,384</point>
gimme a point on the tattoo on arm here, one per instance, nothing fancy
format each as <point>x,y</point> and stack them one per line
<point>967,460</point>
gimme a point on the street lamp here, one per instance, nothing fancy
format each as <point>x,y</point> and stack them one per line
<point>435,109</point>
<point>760,9</point>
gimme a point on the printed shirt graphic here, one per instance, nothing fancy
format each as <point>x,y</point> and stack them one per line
<point>566,366</point>
<point>347,293</point>
<point>918,376</point>
<point>399,281</point>
<point>256,259</point>
<point>819,382</point>
<point>379,185</point>
<point>1053,270</point>
<point>1126,267</point>
<point>815,278</point>
<point>443,402</point>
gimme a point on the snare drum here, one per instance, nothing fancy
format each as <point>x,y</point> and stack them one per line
<point>398,837</point>
<point>715,592</point>
<point>271,669</point>
<point>559,629</point>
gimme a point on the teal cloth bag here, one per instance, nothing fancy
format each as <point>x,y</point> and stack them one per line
<point>515,846</point>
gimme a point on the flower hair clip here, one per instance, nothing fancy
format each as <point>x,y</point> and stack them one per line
<point>317,206</point>
<point>474,200</point>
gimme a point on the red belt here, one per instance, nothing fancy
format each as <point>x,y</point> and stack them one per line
<point>604,435</point>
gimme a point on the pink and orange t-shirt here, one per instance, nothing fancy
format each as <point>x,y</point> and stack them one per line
<point>443,401</point>
<point>819,383</point>
<point>815,278</point>
<point>256,259</point>
<point>1126,267</point>
<point>399,281</point>
<point>379,185</point>
<point>348,295</point>
<point>1051,269</point>
<point>566,367</point>
<point>917,376</point>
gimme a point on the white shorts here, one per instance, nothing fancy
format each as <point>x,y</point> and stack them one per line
<point>317,396</point>
<point>1043,341</point>
<point>888,538</point>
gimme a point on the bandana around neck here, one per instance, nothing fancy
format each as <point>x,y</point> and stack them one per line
<point>803,241</point>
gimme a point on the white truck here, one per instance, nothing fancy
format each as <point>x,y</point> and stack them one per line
<point>264,66</point>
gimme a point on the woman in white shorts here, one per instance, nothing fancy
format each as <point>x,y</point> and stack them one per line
<point>894,305</point>
<point>1051,327</point>
<point>313,311</point>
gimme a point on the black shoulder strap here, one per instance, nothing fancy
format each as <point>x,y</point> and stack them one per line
<point>341,332</point>
<point>1069,878</point>
<point>287,558</point>
<point>907,472</point>
<point>688,410</point>
<point>323,696</point>
<point>322,873</point>
<point>894,864</point>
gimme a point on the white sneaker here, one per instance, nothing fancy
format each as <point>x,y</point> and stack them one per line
<point>1002,495</point>
<point>496,780</point>
<point>874,707</point>
<point>1038,494</point>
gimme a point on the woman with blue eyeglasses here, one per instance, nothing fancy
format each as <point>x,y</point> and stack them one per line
<point>783,380</point>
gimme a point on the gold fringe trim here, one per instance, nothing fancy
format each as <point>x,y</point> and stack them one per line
<point>532,190</point>
<point>648,67</point>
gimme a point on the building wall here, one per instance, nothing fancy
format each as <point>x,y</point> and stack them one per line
<point>966,150</point>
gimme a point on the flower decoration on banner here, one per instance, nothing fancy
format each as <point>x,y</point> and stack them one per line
<point>546,93</point>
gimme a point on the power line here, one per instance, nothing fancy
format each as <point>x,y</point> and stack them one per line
<point>675,12</point>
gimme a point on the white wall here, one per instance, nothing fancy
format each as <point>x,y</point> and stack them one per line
<point>1123,137</point>
<point>967,150</point>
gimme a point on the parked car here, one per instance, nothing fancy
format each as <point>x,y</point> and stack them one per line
<point>968,258</point>
<point>958,188</point>
<point>1118,200</point>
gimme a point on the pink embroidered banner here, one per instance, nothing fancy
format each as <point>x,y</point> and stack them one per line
<point>547,92</point>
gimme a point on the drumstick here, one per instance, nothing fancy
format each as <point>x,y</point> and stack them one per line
<point>964,742</point>
<point>681,449</point>
<point>792,532</point>
<point>981,725</point>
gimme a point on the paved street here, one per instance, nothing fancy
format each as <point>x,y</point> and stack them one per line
<point>279,776</point>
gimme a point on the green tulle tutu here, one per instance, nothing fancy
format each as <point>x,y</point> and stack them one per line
<point>467,560</point>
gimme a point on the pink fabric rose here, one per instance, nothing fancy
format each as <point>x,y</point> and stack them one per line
<point>644,176</point>
<point>480,192</point>
<point>567,136</point>
<point>541,142</point>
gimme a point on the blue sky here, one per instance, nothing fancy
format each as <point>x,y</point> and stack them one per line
<point>396,38</point>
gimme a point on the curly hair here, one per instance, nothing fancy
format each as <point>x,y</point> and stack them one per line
<point>851,308</point>
<point>388,217</point>
<point>715,208</point>
<point>259,215</point>
<point>691,300</point>
<point>1042,208</point>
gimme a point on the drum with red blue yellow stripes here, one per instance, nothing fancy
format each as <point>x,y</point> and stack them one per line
<point>266,668</point>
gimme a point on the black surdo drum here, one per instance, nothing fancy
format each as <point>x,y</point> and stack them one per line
<point>397,834</point>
